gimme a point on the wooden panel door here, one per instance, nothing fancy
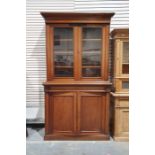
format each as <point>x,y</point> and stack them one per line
<point>122,119</point>
<point>62,112</point>
<point>92,113</point>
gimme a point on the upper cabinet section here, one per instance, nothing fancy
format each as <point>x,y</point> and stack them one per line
<point>121,52</point>
<point>77,45</point>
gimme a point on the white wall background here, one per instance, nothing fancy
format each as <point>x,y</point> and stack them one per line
<point>35,41</point>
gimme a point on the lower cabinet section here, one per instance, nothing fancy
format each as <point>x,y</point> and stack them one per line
<point>76,115</point>
<point>120,117</point>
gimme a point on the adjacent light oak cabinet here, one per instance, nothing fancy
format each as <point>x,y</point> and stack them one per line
<point>77,88</point>
<point>120,97</point>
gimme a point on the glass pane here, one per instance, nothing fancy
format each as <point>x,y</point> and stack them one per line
<point>63,60</point>
<point>91,60</point>
<point>63,45</point>
<point>91,72</point>
<point>125,84</point>
<point>91,45</point>
<point>63,72</point>
<point>63,33</point>
<point>91,51</point>
<point>125,68</point>
<point>63,52</point>
<point>91,33</point>
<point>125,65</point>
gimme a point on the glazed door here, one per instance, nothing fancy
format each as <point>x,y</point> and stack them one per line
<point>92,114</point>
<point>63,51</point>
<point>91,52</point>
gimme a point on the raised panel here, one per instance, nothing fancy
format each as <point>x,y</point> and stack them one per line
<point>121,121</point>
<point>63,112</point>
<point>125,121</point>
<point>124,103</point>
<point>91,112</point>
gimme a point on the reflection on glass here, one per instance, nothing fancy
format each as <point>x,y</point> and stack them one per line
<point>63,52</point>
<point>125,65</point>
<point>63,60</point>
<point>91,60</point>
<point>92,33</point>
<point>63,33</point>
<point>91,72</point>
<point>91,51</point>
<point>63,45</point>
<point>91,45</point>
<point>125,84</point>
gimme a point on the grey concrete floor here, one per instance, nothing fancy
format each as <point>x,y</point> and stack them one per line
<point>35,145</point>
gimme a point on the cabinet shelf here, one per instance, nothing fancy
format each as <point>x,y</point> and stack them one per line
<point>91,52</point>
<point>91,66</point>
<point>63,66</point>
<point>63,39</point>
<point>91,39</point>
<point>63,52</point>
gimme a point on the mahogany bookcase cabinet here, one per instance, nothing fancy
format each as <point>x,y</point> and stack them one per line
<point>77,87</point>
